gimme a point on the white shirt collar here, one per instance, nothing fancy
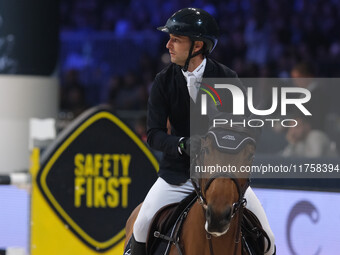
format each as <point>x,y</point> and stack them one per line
<point>198,72</point>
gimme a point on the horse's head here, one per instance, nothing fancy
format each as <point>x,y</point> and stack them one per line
<point>222,191</point>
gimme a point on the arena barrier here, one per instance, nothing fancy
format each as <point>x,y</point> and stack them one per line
<point>14,179</point>
<point>12,251</point>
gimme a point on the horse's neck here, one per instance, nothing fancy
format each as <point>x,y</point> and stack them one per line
<point>194,236</point>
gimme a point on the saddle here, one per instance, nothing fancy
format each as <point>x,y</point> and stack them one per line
<point>167,224</point>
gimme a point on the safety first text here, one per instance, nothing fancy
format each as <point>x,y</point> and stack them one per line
<point>101,180</point>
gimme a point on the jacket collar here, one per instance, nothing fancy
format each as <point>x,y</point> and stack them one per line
<point>209,69</point>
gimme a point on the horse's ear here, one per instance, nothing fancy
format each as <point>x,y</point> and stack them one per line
<point>204,141</point>
<point>250,153</point>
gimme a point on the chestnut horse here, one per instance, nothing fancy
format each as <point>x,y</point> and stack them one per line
<point>213,226</point>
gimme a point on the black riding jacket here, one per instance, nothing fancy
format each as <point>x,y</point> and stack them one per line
<point>169,98</point>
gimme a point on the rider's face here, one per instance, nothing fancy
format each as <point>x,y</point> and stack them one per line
<point>179,47</point>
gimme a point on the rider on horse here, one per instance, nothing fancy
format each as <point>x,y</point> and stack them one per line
<point>193,36</point>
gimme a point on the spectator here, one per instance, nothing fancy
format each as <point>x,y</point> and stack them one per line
<point>304,141</point>
<point>114,84</point>
<point>257,39</point>
<point>140,128</point>
<point>73,94</point>
<point>132,95</point>
<point>304,77</point>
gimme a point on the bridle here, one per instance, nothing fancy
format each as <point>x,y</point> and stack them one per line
<point>198,160</point>
<point>202,200</point>
<point>237,206</point>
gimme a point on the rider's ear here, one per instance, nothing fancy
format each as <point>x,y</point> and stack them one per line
<point>198,45</point>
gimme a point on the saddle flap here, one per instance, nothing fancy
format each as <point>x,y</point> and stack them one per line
<point>253,233</point>
<point>230,141</point>
<point>165,219</point>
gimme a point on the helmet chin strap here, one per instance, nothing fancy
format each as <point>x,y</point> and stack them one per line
<point>190,56</point>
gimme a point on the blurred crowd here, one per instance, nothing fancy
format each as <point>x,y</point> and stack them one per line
<point>259,38</point>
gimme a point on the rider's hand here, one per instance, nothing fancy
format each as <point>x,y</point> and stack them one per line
<point>188,144</point>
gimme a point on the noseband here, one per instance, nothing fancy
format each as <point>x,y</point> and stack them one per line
<point>241,200</point>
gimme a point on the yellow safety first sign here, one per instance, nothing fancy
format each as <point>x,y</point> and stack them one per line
<point>96,175</point>
<point>86,185</point>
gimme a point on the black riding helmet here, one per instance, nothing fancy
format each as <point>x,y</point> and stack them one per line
<point>198,25</point>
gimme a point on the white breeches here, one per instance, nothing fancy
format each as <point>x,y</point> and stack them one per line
<point>162,194</point>
<point>254,205</point>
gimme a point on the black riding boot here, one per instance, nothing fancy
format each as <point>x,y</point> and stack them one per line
<point>137,248</point>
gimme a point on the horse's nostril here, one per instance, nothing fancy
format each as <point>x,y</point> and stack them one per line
<point>217,222</point>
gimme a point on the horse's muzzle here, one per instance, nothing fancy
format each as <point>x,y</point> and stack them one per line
<point>217,223</point>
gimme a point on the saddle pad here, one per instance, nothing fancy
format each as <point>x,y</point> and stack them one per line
<point>230,141</point>
<point>164,221</point>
